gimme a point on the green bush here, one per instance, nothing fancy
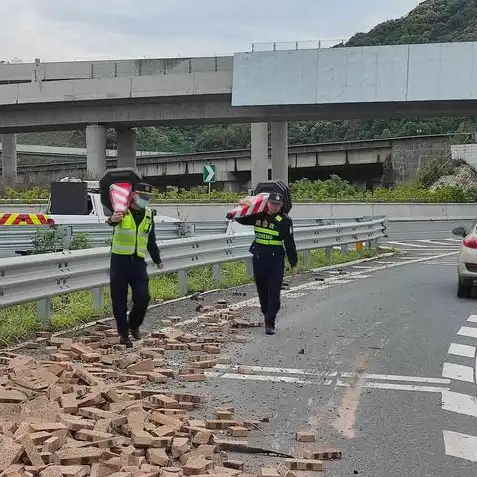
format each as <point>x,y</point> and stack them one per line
<point>334,189</point>
<point>50,240</point>
<point>46,241</point>
<point>80,241</point>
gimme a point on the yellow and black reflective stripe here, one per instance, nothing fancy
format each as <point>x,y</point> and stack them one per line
<point>262,241</point>
<point>278,218</point>
<point>262,230</point>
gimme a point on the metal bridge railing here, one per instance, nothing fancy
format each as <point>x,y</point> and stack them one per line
<point>296,45</point>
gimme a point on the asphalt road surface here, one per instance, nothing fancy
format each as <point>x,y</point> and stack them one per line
<point>378,359</point>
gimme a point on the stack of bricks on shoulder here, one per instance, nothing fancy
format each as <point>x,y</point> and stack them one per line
<point>90,407</point>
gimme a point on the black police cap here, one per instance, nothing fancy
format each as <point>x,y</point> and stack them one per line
<point>143,187</point>
<point>276,198</point>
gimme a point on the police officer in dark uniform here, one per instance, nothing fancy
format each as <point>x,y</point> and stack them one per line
<point>133,236</point>
<point>273,236</point>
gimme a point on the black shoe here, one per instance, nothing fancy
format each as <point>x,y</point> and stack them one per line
<point>270,330</point>
<point>135,333</point>
<point>126,341</point>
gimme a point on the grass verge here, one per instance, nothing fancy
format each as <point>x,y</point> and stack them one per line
<point>19,322</point>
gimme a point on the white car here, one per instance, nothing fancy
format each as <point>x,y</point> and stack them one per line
<point>467,260</point>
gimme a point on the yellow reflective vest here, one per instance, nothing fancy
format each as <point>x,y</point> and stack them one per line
<point>129,239</point>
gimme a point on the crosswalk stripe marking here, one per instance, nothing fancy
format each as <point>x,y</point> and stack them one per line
<point>462,350</point>
<point>468,331</point>
<point>460,445</point>
<point>458,372</point>
<point>459,403</point>
<point>472,318</point>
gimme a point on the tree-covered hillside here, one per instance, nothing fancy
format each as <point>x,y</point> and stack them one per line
<point>431,21</point>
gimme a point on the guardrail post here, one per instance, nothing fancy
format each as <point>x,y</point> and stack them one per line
<point>98,298</point>
<point>217,273</point>
<point>306,258</point>
<point>183,282</point>
<point>344,249</point>
<point>249,267</point>
<point>329,255</point>
<point>43,311</point>
<point>373,244</point>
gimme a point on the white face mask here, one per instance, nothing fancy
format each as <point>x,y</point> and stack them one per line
<point>141,203</point>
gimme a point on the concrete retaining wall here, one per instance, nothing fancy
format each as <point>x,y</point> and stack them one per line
<point>402,212</point>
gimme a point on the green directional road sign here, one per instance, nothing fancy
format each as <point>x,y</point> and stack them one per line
<point>209,174</point>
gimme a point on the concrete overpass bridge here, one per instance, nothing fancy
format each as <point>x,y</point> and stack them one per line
<point>260,88</point>
<point>368,163</point>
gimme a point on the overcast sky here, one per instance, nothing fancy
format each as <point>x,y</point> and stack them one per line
<point>96,29</point>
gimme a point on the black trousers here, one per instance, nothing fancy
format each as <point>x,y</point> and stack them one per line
<point>268,272</point>
<point>128,271</point>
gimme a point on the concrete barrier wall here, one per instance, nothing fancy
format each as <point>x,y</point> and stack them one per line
<point>302,211</point>
<point>391,73</point>
<point>402,212</point>
<point>11,73</point>
<point>204,83</point>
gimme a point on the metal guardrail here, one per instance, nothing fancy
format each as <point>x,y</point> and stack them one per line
<point>41,277</point>
<point>20,238</point>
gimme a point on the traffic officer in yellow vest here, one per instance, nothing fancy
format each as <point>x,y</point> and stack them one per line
<point>273,237</point>
<point>133,236</point>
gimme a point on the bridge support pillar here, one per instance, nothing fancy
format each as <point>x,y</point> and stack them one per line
<point>259,143</point>
<point>95,151</point>
<point>9,159</point>
<point>126,142</point>
<point>279,137</point>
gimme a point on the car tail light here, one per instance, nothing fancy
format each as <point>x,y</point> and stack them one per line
<point>470,242</point>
